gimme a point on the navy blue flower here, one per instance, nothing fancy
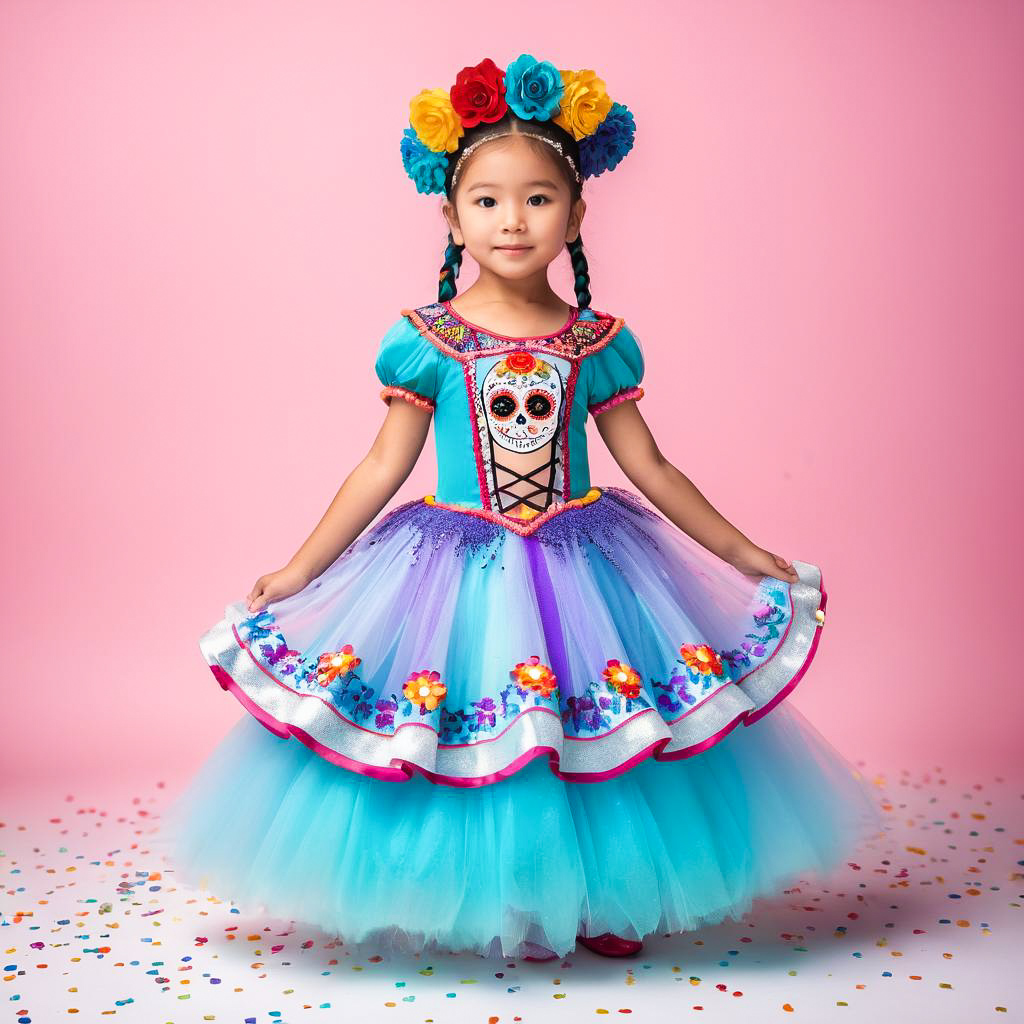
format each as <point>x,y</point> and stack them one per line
<point>533,88</point>
<point>613,139</point>
<point>425,167</point>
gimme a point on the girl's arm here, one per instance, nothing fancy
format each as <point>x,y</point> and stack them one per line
<point>366,490</point>
<point>624,431</point>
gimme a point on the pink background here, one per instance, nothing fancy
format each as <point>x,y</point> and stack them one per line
<point>206,229</point>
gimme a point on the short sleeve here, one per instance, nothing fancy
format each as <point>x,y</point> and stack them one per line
<point>614,372</point>
<point>408,366</point>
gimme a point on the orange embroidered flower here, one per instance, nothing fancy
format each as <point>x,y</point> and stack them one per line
<point>424,687</point>
<point>622,678</point>
<point>521,362</point>
<point>533,675</point>
<point>332,664</point>
<point>702,659</point>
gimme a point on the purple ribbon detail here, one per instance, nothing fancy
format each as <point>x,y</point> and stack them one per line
<point>550,620</point>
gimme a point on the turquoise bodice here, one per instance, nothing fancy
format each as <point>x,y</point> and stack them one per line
<point>510,413</point>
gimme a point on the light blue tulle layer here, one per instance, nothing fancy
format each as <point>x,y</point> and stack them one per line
<point>404,866</point>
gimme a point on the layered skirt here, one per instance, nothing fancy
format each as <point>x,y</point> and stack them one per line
<point>469,737</point>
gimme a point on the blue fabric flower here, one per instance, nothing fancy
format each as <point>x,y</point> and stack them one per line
<point>425,167</point>
<point>613,139</point>
<point>533,88</point>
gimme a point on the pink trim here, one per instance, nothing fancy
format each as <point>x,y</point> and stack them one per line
<point>699,748</point>
<point>523,527</point>
<point>791,685</point>
<point>395,391</point>
<point>573,315</point>
<point>635,392</point>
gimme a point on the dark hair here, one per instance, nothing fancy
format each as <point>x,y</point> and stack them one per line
<point>453,253</point>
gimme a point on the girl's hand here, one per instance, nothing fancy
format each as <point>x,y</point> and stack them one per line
<point>275,586</point>
<point>755,561</point>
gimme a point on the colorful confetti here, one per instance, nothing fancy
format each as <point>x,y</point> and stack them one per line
<point>922,922</point>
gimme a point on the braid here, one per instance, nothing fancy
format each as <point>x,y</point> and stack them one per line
<point>449,270</point>
<point>580,272</point>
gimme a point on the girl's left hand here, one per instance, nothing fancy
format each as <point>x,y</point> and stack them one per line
<point>755,561</point>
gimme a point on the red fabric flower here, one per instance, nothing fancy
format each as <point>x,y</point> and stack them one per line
<point>479,93</point>
<point>521,362</point>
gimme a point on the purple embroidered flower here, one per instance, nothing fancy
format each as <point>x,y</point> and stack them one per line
<point>385,713</point>
<point>485,711</point>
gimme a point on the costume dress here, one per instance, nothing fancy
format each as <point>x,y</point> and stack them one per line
<point>511,712</point>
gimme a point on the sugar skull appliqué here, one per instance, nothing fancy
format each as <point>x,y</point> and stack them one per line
<point>522,396</point>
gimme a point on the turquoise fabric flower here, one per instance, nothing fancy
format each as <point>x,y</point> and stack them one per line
<point>425,167</point>
<point>613,139</point>
<point>533,88</point>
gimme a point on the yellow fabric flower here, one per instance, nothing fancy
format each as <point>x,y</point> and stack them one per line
<point>434,120</point>
<point>585,103</point>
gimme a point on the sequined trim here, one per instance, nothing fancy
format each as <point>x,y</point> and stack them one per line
<point>537,731</point>
<point>526,525</point>
<point>462,341</point>
<point>621,396</point>
<point>394,391</point>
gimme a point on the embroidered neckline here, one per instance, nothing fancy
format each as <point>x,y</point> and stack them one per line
<point>574,312</point>
<point>457,337</point>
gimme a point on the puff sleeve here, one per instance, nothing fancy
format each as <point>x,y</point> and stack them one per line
<point>408,366</point>
<point>614,372</point>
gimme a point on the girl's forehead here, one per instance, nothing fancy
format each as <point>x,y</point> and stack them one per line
<point>508,161</point>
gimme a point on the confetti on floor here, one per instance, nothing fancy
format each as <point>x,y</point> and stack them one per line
<point>925,920</point>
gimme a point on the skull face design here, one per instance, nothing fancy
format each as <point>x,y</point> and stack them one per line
<point>522,398</point>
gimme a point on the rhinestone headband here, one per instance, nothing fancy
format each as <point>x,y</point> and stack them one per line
<point>529,89</point>
<point>501,135</point>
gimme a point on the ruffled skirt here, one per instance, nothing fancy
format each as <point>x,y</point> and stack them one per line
<point>465,736</point>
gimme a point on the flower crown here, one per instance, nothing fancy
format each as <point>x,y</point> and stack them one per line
<point>534,90</point>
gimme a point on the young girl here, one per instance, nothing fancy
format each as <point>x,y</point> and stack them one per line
<point>505,718</point>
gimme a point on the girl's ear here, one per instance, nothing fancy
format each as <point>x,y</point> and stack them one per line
<point>572,229</point>
<point>448,209</point>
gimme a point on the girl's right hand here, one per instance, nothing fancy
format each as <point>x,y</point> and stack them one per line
<point>275,586</point>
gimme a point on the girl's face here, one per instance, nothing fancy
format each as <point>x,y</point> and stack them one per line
<point>513,210</point>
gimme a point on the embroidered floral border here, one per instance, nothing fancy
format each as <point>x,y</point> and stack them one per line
<point>464,342</point>
<point>611,726</point>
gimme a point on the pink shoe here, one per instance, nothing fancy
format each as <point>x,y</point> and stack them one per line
<point>609,944</point>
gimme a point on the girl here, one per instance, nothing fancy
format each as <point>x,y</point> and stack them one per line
<point>505,718</point>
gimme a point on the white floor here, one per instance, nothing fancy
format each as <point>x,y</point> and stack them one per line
<point>926,925</point>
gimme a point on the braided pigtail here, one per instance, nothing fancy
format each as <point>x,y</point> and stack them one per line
<point>449,270</point>
<point>580,272</point>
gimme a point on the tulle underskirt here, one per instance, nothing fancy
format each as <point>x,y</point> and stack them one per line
<point>667,846</point>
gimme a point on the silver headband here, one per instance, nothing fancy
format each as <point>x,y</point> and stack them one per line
<point>543,138</point>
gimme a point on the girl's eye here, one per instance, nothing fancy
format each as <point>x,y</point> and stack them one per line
<point>488,200</point>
